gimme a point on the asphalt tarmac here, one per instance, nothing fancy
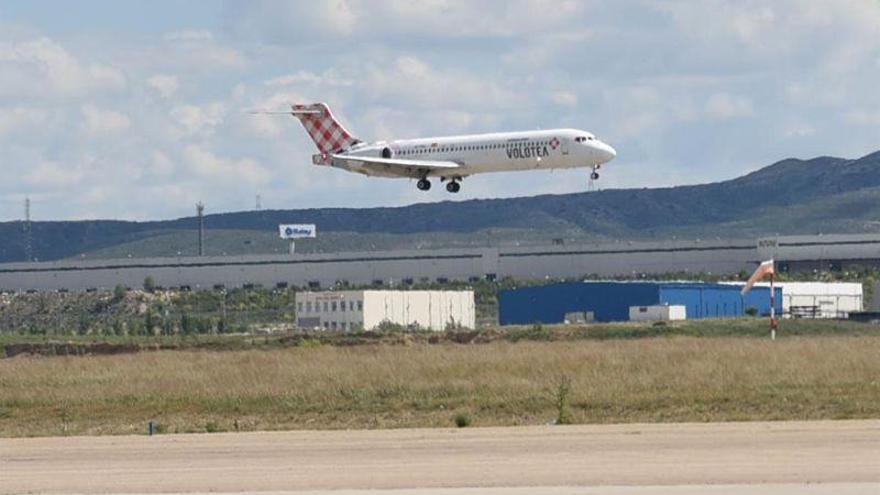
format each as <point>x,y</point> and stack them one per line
<point>820,457</point>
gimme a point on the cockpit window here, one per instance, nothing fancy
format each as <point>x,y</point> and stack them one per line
<point>583,139</point>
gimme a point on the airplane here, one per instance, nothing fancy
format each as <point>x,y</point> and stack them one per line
<point>450,158</point>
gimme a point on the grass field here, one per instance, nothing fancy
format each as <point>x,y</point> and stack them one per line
<point>675,378</point>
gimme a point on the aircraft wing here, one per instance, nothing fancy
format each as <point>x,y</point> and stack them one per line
<point>394,167</point>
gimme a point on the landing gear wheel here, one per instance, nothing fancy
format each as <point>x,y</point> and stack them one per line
<point>453,187</point>
<point>423,184</point>
<point>594,176</point>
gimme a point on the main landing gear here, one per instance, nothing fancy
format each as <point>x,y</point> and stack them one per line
<point>453,186</point>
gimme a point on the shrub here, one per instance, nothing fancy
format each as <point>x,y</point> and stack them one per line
<point>119,292</point>
<point>149,284</point>
<point>462,420</point>
<point>563,415</point>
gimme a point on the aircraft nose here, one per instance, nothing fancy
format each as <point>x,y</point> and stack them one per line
<point>606,152</point>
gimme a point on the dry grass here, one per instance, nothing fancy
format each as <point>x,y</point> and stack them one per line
<point>661,379</point>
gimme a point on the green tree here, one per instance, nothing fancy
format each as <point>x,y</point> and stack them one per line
<point>149,284</point>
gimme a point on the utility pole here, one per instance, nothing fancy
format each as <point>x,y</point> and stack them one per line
<point>28,242</point>
<point>259,205</point>
<point>200,212</point>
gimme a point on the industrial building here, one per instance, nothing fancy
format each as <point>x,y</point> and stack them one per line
<point>405,267</point>
<point>821,252</point>
<point>367,309</point>
<point>612,301</point>
<point>384,268</point>
<point>819,299</point>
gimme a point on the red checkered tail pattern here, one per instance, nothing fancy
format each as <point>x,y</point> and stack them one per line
<point>327,133</point>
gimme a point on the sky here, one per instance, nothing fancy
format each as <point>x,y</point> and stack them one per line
<point>138,110</point>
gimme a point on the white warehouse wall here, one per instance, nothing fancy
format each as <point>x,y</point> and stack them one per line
<point>367,309</point>
<point>832,299</point>
<point>433,310</point>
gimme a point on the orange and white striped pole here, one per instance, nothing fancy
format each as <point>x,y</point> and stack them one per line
<point>772,305</point>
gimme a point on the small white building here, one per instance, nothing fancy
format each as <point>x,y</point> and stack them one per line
<point>659,312</point>
<point>366,309</point>
<point>819,299</point>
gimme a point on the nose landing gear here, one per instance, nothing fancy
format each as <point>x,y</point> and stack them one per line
<point>595,174</point>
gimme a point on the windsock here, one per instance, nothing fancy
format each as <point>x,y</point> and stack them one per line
<point>764,269</point>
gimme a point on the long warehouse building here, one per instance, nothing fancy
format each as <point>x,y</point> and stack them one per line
<point>627,259</point>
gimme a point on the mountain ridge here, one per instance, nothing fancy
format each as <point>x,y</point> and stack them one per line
<point>777,196</point>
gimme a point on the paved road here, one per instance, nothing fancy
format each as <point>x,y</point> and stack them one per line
<point>807,457</point>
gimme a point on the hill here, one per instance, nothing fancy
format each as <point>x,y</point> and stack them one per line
<point>824,194</point>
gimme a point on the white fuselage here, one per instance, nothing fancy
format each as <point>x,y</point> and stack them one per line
<point>496,152</point>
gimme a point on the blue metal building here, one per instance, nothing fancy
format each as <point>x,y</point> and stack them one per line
<point>610,301</point>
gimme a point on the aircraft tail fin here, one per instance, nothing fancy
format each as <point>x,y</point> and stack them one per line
<point>328,134</point>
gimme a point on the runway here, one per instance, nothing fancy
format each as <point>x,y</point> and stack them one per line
<point>648,459</point>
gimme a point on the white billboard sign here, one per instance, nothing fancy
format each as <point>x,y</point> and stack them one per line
<point>297,231</point>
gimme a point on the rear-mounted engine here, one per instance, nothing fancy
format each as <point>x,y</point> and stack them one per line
<point>321,159</point>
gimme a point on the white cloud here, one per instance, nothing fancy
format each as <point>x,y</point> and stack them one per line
<point>193,50</point>
<point>328,78</point>
<point>19,119</point>
<point>565,98</point>
<point>410,81</point>
<point>161,165</point>
<point>800,131</point>
<point>726,106</point>
<point>208,165</point>
<point>189,35</point>
<point>863,117</point>
<point>99,121</point>
<point>164,84</point>
<point>310,22</point>
<point>42,67</point>
<point>53,175</point>
<point>196,119</point>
